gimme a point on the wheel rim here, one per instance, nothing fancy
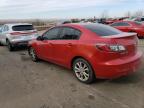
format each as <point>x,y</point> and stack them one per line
<point>32,53</point>
<point>82,71</point>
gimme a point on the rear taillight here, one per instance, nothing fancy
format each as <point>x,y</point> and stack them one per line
<point>110,48</point>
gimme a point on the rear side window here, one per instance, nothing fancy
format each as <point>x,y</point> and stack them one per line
<point>70,34</point>
<point>103,30</point>
<point>22,27</point>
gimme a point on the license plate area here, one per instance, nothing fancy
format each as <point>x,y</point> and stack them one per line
<point>26,37</point>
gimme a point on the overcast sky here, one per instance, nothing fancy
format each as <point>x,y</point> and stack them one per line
<point>66,8</point>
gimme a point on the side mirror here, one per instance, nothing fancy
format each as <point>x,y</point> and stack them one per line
<point>40,38</point>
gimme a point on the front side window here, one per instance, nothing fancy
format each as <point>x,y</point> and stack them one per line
<point>70,34</point>
<point>2,29</point>
<point>52,34</point>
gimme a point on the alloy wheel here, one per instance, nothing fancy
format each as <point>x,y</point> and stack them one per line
<point>82,71</point>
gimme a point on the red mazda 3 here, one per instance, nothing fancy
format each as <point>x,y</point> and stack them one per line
<point>90,50</point>
<point>130,26</point>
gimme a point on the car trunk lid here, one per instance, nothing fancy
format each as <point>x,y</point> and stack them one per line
<point>23,30</point>
<point>128,40</point>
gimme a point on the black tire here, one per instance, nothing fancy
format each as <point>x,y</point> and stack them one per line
<point>1,44</point>
<point>33,54</point>
<point>9,46</point>
<point>131,31</point>
<point>87,70</point>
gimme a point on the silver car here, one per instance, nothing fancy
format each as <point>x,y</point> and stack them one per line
<point>18,34</point>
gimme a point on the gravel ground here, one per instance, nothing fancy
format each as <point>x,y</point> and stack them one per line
<point>25,84</point>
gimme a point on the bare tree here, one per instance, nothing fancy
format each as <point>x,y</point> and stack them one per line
<point>104,14</point>
<point>138,13</point>
<point>128,14</point>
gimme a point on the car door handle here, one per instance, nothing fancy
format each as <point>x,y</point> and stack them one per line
<point>69,44</point>
<point>51,44</point>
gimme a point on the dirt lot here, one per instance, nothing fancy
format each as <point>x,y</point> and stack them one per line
<point>25,84</point>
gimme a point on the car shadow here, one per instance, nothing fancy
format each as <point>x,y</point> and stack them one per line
<point>20,48</point>
<point>130,79</point>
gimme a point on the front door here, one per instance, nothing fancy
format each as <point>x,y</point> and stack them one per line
<point>45,48</point>
<point>63,48</point>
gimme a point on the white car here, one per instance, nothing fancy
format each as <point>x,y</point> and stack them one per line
<point>18,34</point>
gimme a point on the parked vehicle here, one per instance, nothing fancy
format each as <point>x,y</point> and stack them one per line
<point>138,19</point>
<point>112,20</point>
<point>89,50</point>
<point>18,34</point>
<point>130,26</point>
<point>63,22</point>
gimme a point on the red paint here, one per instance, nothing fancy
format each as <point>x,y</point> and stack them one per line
<point>105,63</point>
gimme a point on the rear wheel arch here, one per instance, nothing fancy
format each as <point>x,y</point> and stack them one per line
<point>78,57</point>
<point>92,75</point>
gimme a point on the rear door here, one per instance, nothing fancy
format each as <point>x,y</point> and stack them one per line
<point>64,48</point>
<point>45,47</point>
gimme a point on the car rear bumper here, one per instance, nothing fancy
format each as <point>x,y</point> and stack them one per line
<point>118,67</point>
<point>24,43</point>
<point>21,42</point>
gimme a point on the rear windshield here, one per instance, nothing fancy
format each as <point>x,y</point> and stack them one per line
<point>102,30</point>
<point>22,27</point>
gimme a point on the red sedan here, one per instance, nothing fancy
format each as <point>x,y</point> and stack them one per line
<point>130,26</point>
<point>90,50</point>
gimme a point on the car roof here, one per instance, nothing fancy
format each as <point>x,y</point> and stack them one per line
<point>81,24</point>
<point>16,24</point>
